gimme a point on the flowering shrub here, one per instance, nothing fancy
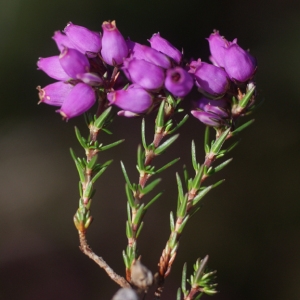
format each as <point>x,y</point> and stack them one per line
<point>105,70</point>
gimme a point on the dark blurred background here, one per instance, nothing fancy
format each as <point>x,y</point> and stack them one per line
<point>250,225</point>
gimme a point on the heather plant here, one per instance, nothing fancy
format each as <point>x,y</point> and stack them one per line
<point>98,73</point>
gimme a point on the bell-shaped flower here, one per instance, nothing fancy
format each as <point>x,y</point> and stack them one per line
<point>55,93</point>
<point>73,62</point>
<point>238,63</point>
<point>52,67</point>
<point>208,119</point>
<point>114,48</point>
<point>83,39</point>
<point>178,82</point>
<point>162,45</point>
<point>134,99</point>
<point>151,55</point>
<point>217,46</point>
<point>62,41</point>
<point>212,112</point>
<point>210,79</point>
<point>81,98</point>
<point>144,73</point>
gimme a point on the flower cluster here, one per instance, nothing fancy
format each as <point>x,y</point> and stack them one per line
<point>229,76</point>
<point>105,66</point>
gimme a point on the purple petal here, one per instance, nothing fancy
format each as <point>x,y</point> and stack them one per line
<point>55,93</point>
<point>80,99</point>
<point>52,67</point>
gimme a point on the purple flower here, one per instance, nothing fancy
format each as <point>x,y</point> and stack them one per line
<point>52,67</point>
<point>151,55</point>
<point>209,78</point>
<point>160,44</point>
<point>62,41</point>
<point>238,63</point>
<point>114,48</point>
<point>73,62</point>
<point>83,39</point>
<point>178,82</point>
<point>217,46</point>
<point>144,73</point>
<point>212,112</point>
<point>55,93</point>
<point>81,98</point>
<point>134,99</point>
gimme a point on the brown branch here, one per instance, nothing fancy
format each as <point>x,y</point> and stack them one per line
<point>84,247</point>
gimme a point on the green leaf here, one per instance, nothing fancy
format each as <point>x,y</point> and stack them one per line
<point>161,115</point>
<point>201,194</point>
<point>194,158</point>
<point>180,190</point>
<point>139,230</point>
<point>172,222</point>
<point>181,212</point>
<point>79,168</point>
<point>101,171</point>
<point>129,214</point>
<point>206,140</point>
<point>130,197</point>
<point>183,279</point>
<point>103,148</point>
<point>216,147</point>
<point>182,225</point>
<point>126,260</point>
<point>197,180</point>
<point>80,139</point>
<point>167,165</point>
<point>92,162</point>
<point>140,158</point>
<point>150,186</point>
<point>242,127</point>
<point>179,124</point>
<point>126,177</point>
<point>129,232</point>
<point>166,144</point>
<point>244,102</point>
<point>144,135</point>
<point>178,295</point>
<point>100,121</point>
<point>152,201</point>
<point>139,215</point>
<point>186,176</point>
<point>88,190</point>
<point>218,168</point>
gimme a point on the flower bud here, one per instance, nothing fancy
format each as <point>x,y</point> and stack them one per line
<point>178,82</point>
<point>208,119</point>
<point>52,67</point>
<point>84,39</point>
<point>145,74</point>
<point>55,93</point>
<point>73,62</point>
<point>217,46</point>
<point>90,79</point>
<point>151,55</point>
<point>81,98</point>
<point>218,107</point>
<point>238,63</point>
<point>114,48</point>
<point>210,79</point>
<point>134,99</point>
<point>162,45</point>
<point>62,41</point>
